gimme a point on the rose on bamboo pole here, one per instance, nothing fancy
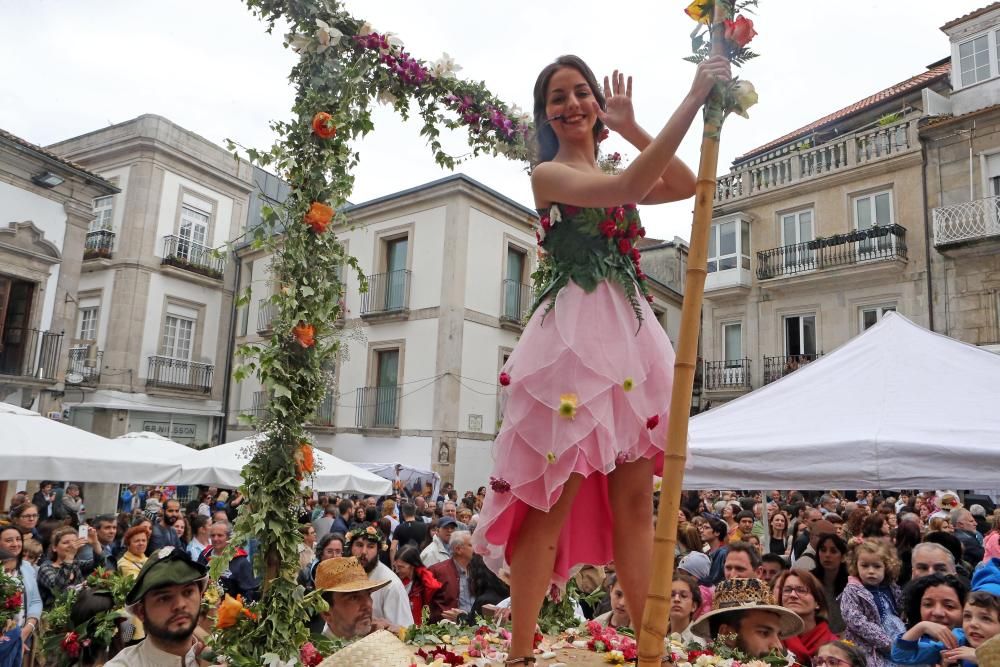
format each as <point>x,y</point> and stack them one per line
<point>721,30</point>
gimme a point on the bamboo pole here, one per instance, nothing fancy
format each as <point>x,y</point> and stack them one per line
<point>657,610</point>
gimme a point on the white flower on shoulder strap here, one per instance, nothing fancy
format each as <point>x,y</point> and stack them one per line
<point>555,215</point>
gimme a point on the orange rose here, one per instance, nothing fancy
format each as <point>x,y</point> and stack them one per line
<point>319,217</point>
<point>322,125</point>
<point>229,612</point>
<point>305,334</point>
<point>740,31</point>
<point>305,460</point>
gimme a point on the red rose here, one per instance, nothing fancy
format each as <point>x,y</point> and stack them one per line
<point>323,126</point>
<point>633,231</point>
<point>642,232</point>
<point>14,601</point>
<point>635,255</point>
<point>504,379</point>
<point>649,298</point>
<point>740,31</point>
<point>629,207</point>
<point>499,485</point>
<point>618,213</point>
<point>538,237</point>
<point>607,228</point>
<point>653,422</point>
<point>570,211</point>
<point>624,246</point>
<point>546,223</point>
<point>640,274</point>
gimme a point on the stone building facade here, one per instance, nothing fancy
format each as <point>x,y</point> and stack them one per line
<point>150,346</point>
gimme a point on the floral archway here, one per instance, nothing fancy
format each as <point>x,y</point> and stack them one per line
<point>345,68</point>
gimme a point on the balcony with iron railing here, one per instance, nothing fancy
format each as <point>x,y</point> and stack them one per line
<point>776,368</point>
<point>516,302</point>
<point>99,244</point>
<point>169,373</point>
<point>85,361</point>
<point>967,222</point>
<point>793,164</point>
<point>876,244</point>
<point>266,312</point>
<point>378,407</point>
<point>186,254</point>
<point>30,353</point>
<point>388,294</point>
<point>726,376</point>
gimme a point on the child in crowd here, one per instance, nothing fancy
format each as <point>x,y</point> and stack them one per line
<point>839,654</point>
<point>932,643</point>
<point>871,601</point>
<point>32,551</point>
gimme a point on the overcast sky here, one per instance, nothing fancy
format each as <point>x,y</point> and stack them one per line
<point>73,66</point>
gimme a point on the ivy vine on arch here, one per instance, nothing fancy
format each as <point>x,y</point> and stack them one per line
<point>345,68</point>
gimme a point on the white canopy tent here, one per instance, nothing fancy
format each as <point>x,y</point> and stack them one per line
<point>898,407</point>
<point>36,447</point>
<point>223,465</point>
<point>407,475</point>
<point>147,443</point>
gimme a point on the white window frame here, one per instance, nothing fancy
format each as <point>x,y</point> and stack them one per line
<point>802,330</point>
<point>992,37</point>
<point>738,359</point>
<point>871,197</point>
<point>798,221</point>
<point>103,210</point>
<point>192,222</point>
<point>880,310</point>
<point>988,51</point>
<point>741,255</point>
<point>173,326</point>
<point>87,322</point>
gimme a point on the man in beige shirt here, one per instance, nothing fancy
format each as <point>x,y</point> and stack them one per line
<point>166,597</point>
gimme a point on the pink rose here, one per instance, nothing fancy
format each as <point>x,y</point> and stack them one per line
<point>740,31</point>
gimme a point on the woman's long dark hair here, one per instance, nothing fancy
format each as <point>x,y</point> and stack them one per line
<point>482,579</point>
<point>841,579</point>
<point>546,143</point>
<point>411,556</point>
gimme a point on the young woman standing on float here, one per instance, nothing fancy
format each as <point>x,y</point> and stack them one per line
<point>586,390</point>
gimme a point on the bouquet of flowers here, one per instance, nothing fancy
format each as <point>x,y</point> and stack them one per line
<point>62,642</point>
<point>11,599</point>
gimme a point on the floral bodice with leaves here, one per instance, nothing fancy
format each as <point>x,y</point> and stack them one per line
<point>588,245</point>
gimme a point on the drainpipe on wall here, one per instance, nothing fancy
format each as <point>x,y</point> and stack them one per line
<point>928,234</point>
<point>230,349</point>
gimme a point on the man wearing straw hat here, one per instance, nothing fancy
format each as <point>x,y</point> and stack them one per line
<point>746,617</point>
<point>166,597</point>
<point>348,592</point>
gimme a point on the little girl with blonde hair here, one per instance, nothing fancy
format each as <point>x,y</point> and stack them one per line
<point>871,601</point>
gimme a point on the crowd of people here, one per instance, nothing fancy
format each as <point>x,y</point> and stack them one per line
<point>888,579</point>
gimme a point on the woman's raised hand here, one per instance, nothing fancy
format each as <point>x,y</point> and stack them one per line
<point>618,94</point>
<point>711,71</point>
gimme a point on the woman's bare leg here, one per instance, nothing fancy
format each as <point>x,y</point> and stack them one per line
<point>532,561</point>
<point>630,490</point>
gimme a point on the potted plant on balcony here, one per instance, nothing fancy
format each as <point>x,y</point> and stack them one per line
<point>878,231</point>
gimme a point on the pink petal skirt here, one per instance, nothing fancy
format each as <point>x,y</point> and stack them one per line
<point>587,349</point>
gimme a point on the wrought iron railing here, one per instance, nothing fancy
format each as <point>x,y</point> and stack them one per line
<point>266,312</point>
<point>732,375</point>
<point>387,293</point>
<point>30,353</point>
<point>85,362</point>
<point>968,221</point>
<point>862,245</point>
<point>258,405</point>
<point>791,164</point>
<point>326,411</point>
<point>169,373</point>
<point>186,254</point>
<point>378,407</point>
<point>516,300</point>
<point>776,368</point>
<point>99,244</point>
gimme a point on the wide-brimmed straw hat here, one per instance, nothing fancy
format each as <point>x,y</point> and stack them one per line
<point>746,595</point>
<point>379,649</point>
<point>344,575</point>
<point>988,653</point>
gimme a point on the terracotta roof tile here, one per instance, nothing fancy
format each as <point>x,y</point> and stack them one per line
<point>647,242</point>
<point>52,156</point>
<point>971,15</point>
<point>913,83</point>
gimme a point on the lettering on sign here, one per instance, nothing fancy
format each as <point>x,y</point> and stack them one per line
<point>163,428</point>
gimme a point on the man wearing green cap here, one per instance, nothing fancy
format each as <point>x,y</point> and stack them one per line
<point>166,597</point>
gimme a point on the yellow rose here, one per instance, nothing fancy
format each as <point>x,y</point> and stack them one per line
<point>700,11</point>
